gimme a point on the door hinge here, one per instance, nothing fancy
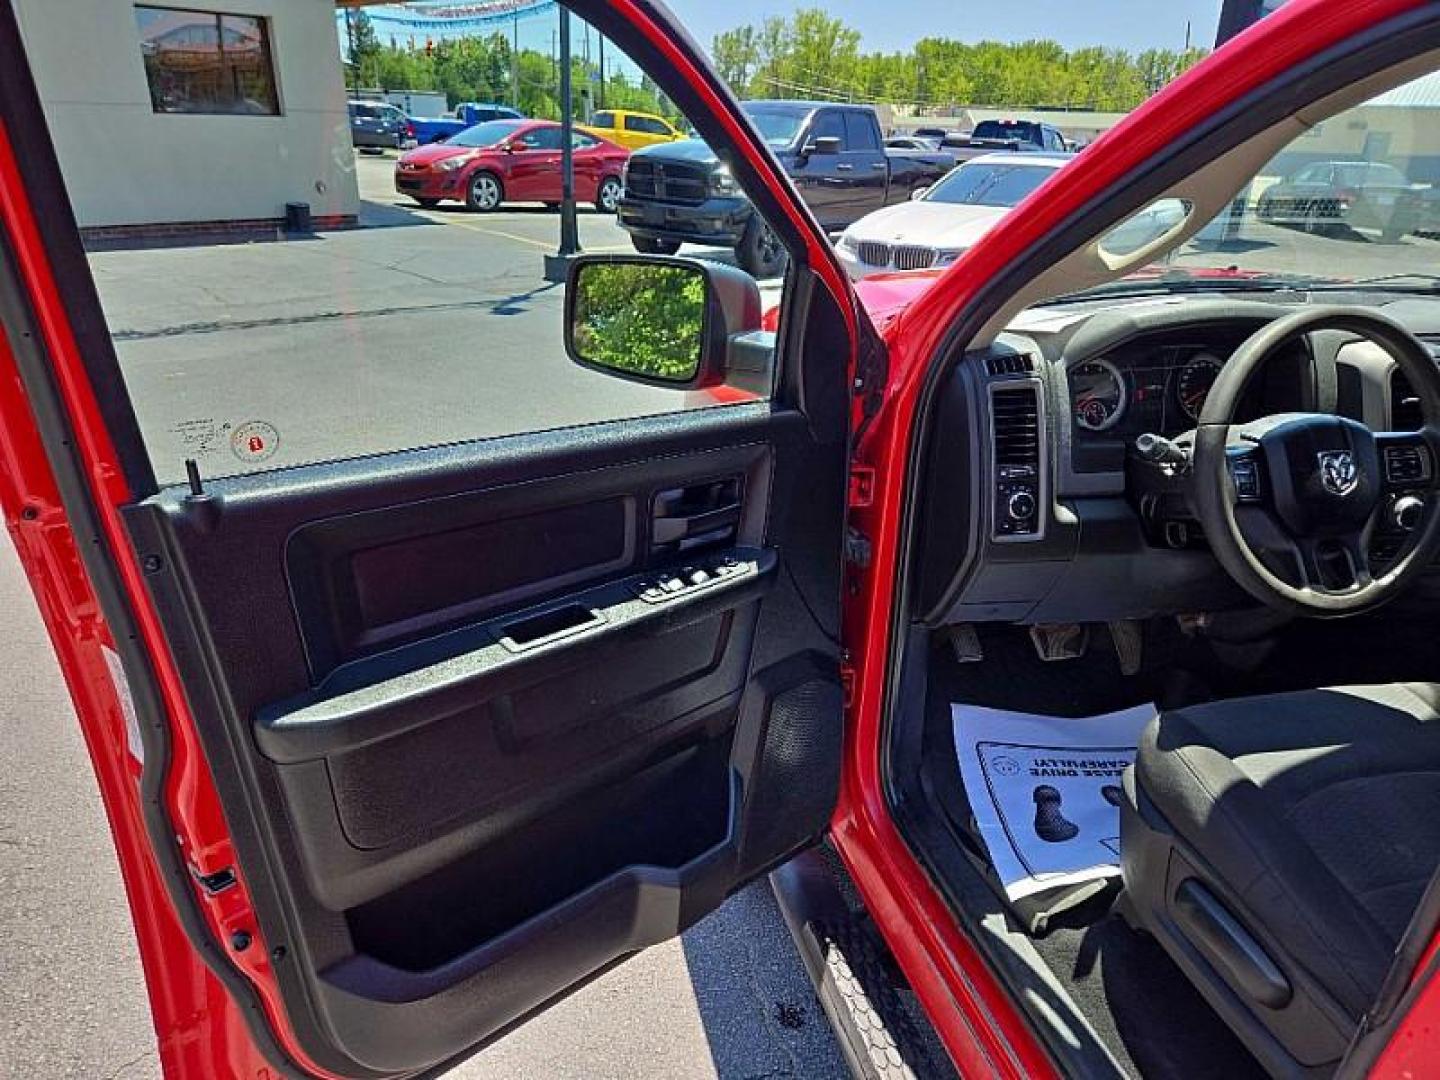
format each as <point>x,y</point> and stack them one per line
<point>862,486</point>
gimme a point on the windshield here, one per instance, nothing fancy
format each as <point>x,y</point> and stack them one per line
<point>486,134</point>
<point>1354,199</point>
<point>778,127</point>
<point>989,185</point>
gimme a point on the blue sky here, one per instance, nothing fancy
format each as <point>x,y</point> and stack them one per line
<point>894,25</point>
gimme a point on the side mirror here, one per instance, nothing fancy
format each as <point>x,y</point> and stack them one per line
<point>440,139</point>
<point>662,320</point>
<point>919,193</point>
<point>826,144</point>
<point>508,148</point>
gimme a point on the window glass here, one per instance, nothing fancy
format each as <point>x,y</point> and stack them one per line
<point>860,132</point>
<point>1351,201</point>
<point>603,120</point>
<point>985,184</point>
<point>542,138</point>
<point>779,126</point>
<point>646,125</point>
<point>829,124</point>
<point>486,134</point>
<point>416,311</point>
<point>204,62</point>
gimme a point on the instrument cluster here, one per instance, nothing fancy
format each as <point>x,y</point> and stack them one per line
<point>1125,393</point>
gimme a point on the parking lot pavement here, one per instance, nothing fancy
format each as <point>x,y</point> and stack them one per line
<point>729,1000</point>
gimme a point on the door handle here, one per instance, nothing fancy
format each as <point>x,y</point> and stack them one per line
<point>687,517</point>
<point>877,164</point>
<point>842,167</point>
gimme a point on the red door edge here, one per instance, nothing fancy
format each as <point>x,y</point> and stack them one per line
<point>973,1013</point>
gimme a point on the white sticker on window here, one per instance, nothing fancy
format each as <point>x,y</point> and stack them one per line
<point>127,703</point>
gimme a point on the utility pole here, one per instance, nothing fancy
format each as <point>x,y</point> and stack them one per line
<point>1187,35</point>
<point>602,71</point>
<point>515,66</point>
<point>350,43</point>
<point>557,266</point>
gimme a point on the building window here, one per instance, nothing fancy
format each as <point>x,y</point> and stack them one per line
<point>207,62</point>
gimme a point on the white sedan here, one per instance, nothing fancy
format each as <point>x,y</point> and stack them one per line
<point>938,225</point>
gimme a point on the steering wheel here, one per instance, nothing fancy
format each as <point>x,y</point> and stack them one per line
<point>1308,488</point>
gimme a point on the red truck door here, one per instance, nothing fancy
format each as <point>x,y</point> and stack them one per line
<point>411,752</point>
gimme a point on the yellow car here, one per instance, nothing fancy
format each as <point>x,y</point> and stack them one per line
<point>632,130</point>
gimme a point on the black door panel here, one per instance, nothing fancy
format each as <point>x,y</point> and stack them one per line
<point>480,727</point>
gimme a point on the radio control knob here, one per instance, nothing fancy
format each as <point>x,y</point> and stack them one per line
<point>1021,506</point>
<point>1406,511</point>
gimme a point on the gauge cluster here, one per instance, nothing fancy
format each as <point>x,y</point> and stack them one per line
<point>1161,390</point>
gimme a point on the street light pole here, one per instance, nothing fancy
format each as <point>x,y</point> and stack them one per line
<point>557,266</point>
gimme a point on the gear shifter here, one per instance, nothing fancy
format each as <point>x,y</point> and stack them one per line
<point>1159,450</point>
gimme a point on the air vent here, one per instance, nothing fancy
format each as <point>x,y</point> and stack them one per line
<point>1010,364</point>
<point>1405,411</point>
<point>1017,426</point>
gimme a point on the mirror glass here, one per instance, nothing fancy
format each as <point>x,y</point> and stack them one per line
<point>1142,229</point>
<point>640,318</point>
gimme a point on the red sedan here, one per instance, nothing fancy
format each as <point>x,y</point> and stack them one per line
<point>504,161</point>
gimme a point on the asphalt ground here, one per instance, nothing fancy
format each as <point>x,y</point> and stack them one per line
<point>420,328</point>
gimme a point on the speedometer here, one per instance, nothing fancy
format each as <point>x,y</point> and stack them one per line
<point>1196,378</point>
<point>1097,394</point>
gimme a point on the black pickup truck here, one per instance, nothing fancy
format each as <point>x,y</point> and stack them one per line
<point>1007,136</point>
<point>682,193</point>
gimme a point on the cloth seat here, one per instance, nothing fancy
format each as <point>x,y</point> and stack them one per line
<point>1318,811</point>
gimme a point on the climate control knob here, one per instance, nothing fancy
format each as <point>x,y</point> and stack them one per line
<point>1021,506</point>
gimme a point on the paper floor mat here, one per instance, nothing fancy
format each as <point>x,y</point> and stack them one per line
<point>1045,791</point>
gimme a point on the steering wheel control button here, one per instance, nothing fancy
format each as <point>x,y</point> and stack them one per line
<point>1406,464</point>
<point>1246,474</point>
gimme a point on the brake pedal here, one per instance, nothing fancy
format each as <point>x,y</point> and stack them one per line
<point>1128,645</point>
<point>1060,641</point>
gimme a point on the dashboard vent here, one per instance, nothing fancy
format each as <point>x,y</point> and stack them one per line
<point>1017,426</point>
<point>1405,411</point>
<point>1010,364</point>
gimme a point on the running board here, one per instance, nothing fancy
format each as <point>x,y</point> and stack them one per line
<point>855,979</point>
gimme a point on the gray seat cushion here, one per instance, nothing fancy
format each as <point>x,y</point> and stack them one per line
<point>1319,810</point>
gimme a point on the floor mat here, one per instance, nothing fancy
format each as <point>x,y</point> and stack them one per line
<point>1143,1007</point>
<point>1045,791</point>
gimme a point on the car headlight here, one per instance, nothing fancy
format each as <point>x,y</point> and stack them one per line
<point>722,183</point>
<point>848,242</point>
<point>451,164</point>
<point>948,256</point>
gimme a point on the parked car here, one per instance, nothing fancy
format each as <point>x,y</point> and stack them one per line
<point>834,154</point>
<point>633,130</point>
<point>375,125</point>
<point>1325,196</point>
<point>1014,136</point>
<point>510,161</point>
<point>936,134</point>
<point>937,227</point>
<point>466,115</point>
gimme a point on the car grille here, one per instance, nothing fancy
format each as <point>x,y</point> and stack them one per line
<point>667,181</point>
<point>410,183</point>
<point>898,256</point>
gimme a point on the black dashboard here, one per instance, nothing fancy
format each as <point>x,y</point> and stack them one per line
<point>1031,460</point>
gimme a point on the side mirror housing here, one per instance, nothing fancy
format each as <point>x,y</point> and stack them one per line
<point>826,144</point>
<point>664,321</point>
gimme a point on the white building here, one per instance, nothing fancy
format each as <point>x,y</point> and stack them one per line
<point>193,117</point>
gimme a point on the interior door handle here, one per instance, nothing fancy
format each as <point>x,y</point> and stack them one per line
<point>710,510</point>
<point>670,530</point>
